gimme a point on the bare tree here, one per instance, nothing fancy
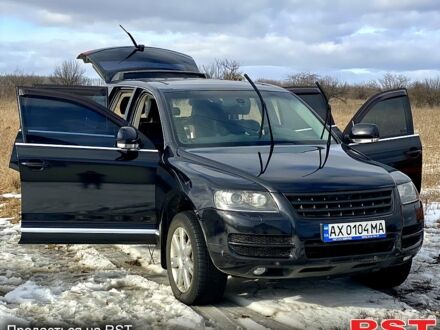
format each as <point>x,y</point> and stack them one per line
<point>69,73</point>
<point>9,81</point>
<point>392,81</point>
<point>332,86</point>
<point>302,79</point>
<point>223,69</point>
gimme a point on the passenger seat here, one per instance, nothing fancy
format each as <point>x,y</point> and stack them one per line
<point>151,126</point>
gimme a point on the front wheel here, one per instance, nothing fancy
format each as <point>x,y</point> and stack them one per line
<point>192,275</point>
<point>387,278</point>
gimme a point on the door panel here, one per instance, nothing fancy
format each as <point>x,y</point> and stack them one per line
<point>398,146</point>
<point>73,193</point>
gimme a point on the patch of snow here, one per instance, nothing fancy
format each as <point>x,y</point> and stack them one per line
<point>11,195</point>
<point>315,303</point>
<point>7,317</point>
<point>88,257</point>
<point>248,323</point>
<point>148,257</point>
<point>29,292</point>
<point>76,286</point>
<point>423,285</point>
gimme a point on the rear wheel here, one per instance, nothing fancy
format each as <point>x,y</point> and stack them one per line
<point>192,275</point>
<point>387,278</point>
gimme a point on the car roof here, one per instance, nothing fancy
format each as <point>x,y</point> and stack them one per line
<point>196,84</point>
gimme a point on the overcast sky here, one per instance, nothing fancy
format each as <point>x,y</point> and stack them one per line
<point>353,40</point>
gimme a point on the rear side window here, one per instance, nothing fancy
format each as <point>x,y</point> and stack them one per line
<point>121,102</point>
<point>57,121</point>
<point>390,116</point>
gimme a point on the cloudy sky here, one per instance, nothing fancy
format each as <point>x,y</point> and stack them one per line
<point>352,40</point>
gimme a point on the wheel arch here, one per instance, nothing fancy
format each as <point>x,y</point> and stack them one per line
<point>175,202</point>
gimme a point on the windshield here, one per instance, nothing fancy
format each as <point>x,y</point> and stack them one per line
<point>232,118</point>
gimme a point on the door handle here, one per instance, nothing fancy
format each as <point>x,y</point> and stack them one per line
<point>35,165</point>
<point>413,153</point>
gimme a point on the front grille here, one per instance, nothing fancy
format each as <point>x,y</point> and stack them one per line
<point>318,249</point>
<point>260,239</point>
<point>262,251</point>
<point>344,204</point>
<point>261,246</point>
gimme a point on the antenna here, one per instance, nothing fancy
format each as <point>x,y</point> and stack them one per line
<point>137,47</point>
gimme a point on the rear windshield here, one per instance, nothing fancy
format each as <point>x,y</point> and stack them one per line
<point>232,118</point>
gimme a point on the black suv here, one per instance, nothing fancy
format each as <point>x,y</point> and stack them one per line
<point>226,177</point>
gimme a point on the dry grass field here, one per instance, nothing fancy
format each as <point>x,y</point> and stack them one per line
<point>427,122</point>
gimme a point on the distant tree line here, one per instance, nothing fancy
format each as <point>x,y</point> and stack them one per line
<point>422,92</point>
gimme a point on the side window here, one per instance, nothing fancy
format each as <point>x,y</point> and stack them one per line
<point>58,121</point>
<point>121,101</point>
<point>390,116</point>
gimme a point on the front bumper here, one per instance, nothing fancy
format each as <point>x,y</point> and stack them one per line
<point>307,255</point>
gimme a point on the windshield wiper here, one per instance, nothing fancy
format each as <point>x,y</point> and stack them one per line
<point>328,121</point>
<point>263,115</point>
<point>137,47</point>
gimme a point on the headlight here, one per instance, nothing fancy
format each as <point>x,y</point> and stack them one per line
<point>408,193</point>
<point>236,200</point>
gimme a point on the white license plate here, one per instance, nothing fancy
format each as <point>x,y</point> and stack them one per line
<point>353,231</point>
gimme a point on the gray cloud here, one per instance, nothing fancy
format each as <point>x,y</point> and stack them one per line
<point>323,36</point>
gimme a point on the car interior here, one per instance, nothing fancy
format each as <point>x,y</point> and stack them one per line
<point>147,120</point>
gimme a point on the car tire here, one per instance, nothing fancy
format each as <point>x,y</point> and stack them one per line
<point>207,283</point>
<point>387,278</point>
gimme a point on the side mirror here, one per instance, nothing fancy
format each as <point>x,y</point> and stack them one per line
<point>364,133</point>
<point>127,138</point>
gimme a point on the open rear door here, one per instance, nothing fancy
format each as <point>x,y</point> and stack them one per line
<point>397,146</point>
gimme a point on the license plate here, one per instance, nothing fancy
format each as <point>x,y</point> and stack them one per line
<point>351,231</point>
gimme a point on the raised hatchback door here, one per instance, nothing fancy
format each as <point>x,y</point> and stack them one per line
<point>121,63</point>
<point>396,145</point>
<point>77,186</point>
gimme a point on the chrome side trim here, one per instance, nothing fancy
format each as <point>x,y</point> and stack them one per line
<point>388,139</point>
<point>70,133</point>
<point>77,147</point>
<point>89,231</point>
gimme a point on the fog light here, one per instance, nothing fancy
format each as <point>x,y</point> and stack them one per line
<point>259,271</point>
<point>407,258</point>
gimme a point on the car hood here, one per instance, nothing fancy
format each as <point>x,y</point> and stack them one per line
<point>296,168</point>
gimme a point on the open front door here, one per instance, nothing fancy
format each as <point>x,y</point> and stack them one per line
<point>397,146</point>
<point>77,187</point>
<point>99,94</point>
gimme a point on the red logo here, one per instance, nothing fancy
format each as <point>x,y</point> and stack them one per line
<point>392,324</point>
